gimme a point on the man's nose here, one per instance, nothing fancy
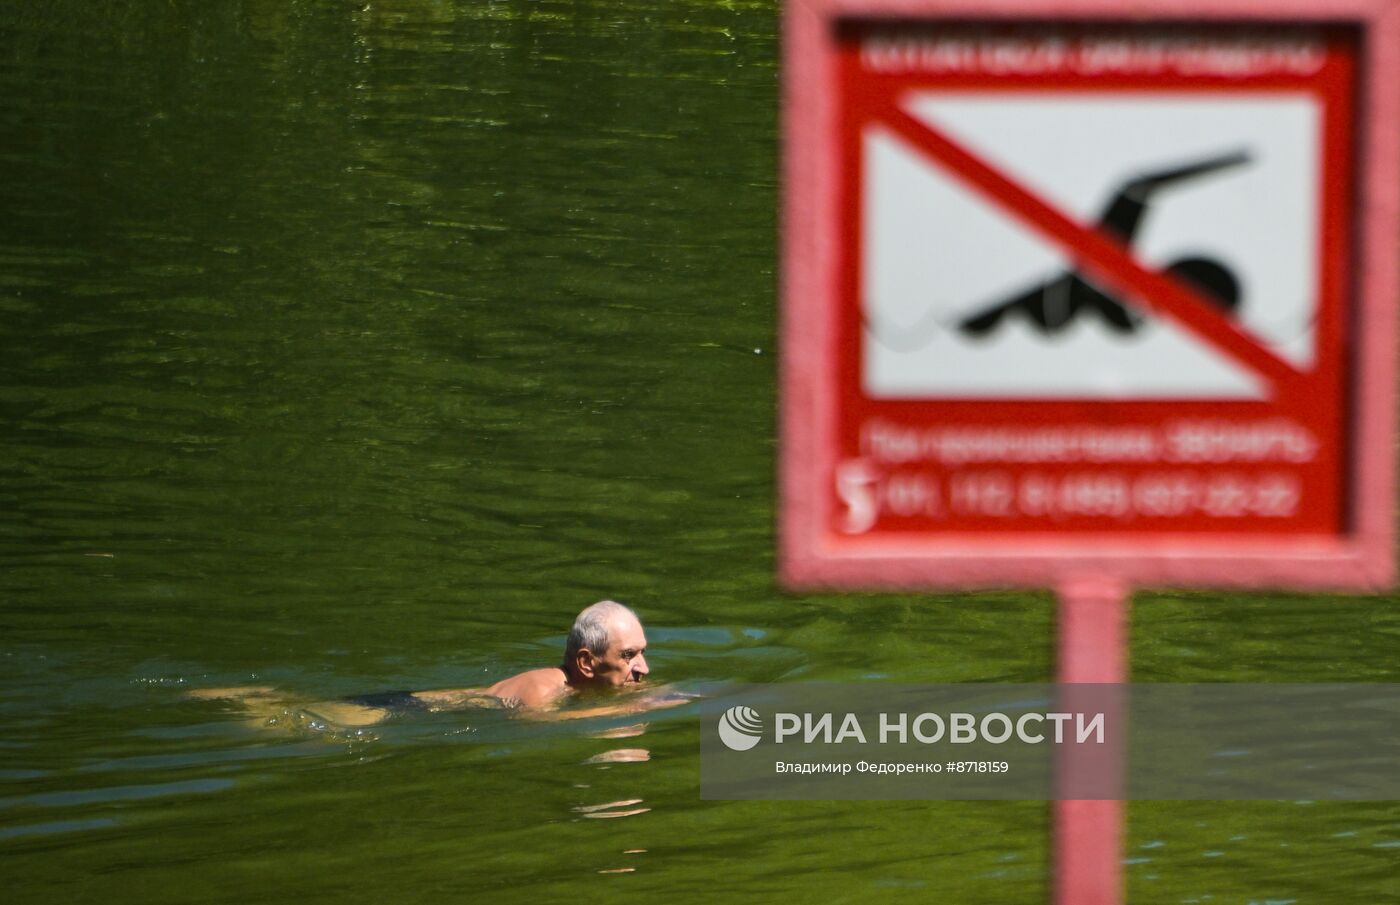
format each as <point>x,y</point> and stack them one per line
<point>639,666</point>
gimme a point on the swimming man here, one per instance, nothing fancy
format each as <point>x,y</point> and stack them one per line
<point>606,649</point>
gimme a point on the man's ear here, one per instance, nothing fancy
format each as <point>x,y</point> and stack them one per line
<point>584,661</point>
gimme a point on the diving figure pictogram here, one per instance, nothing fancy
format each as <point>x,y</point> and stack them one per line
<point>1052,306</point>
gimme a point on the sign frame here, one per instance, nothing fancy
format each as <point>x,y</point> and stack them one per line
<point>1359,558</point>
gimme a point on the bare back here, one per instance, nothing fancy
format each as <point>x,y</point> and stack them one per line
<point>535,688</point>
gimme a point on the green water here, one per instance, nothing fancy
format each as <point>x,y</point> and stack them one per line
<point>355,346</point>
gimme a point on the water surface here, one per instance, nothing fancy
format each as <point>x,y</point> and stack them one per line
<point>356,346</point>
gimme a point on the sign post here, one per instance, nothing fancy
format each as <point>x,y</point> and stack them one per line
<point>1089,297</point>
<point>1092,648</point>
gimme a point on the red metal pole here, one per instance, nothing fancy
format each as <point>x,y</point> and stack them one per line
<point>1092,647</point>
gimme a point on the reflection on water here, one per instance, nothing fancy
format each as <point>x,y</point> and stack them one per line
<point>620,756</point>
<point>605,810</point>
<point>265,709</point>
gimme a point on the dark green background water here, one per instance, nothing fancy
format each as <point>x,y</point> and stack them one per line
<point>353,346</point>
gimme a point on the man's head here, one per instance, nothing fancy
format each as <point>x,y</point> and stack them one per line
<point>606,646</point>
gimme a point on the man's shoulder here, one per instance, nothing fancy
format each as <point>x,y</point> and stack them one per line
<point>531,689</point>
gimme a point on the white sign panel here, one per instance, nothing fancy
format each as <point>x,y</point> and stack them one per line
<point>961,299</point>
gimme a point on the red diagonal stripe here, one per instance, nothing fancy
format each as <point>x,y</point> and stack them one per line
<point>1098,254</point>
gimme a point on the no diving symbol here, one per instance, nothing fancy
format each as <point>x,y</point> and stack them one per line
<point>1055,305</point>
<point>1124,246</point>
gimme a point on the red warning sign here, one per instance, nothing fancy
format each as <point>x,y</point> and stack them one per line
<point>1090,293</point>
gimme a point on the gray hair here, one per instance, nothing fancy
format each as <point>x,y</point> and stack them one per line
<point>591,628</point>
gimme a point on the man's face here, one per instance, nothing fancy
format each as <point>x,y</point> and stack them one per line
<point>624,662</point>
